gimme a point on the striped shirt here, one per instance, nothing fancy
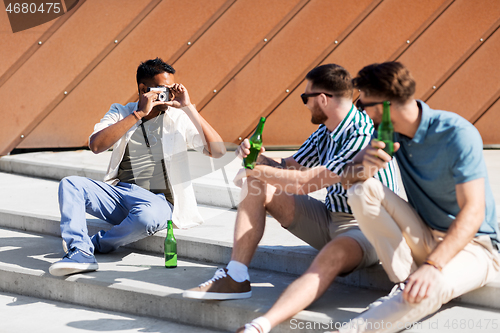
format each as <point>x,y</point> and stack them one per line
<point>335,149</point>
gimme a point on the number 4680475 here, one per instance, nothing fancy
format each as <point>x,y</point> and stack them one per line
<point>25,8</point>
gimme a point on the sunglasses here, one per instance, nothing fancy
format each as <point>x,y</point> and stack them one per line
<point>361,106</point>
<point>305,97</point>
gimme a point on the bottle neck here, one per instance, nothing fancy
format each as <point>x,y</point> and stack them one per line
<point>386,116</point>
<point>260,126</point>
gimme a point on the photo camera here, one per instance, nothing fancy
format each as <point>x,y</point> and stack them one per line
<point>163,93</point>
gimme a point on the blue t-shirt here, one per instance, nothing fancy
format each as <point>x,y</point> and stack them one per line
<point>446,150</point>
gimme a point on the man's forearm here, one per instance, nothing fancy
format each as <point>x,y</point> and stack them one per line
<point>470,198</point>
<point>264,160</point>
<point>294,181</point>
<point>460,233</point>
<point>352,174</point>
<point>106,138</point>
<point>214,146</point>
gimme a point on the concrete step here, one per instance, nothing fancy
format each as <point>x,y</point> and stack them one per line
<point>46,316</point>
<point>31,204</point>
<point>212,178</point>
<point>279,251</point>
<point>137,283</point>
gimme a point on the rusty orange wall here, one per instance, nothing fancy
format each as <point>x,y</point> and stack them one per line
<point>240,60</point>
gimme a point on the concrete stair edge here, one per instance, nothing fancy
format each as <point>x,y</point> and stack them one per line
<point>290,260</point>
<point>107,290</point>
<point>161,301</point>
<point>266,257</point>
<point>86,293</point>
<point>207,192</point>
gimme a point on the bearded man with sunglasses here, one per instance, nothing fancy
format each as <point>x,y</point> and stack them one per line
<point>444,241</point>
<point>147,182</point>
<point>280,187</point>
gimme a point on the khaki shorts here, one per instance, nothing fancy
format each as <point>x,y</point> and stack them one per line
<point>316,225</point>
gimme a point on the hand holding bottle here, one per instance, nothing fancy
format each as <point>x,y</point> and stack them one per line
<point>244,149</point>
<point>255,146</point>
<point>375,157</point>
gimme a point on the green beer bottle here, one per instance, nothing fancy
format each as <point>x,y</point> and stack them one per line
<point>170,248</point>
<point>255,145</point>
<point>386,130</point>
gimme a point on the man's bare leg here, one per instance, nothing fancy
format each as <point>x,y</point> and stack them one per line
<point>341,255</point>
<point>233,281</point>
<point>251,217</point>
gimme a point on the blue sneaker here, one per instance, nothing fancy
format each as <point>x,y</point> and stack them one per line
<point>75,261</point>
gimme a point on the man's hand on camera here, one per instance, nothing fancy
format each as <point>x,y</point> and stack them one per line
<point>147,102</point>
<point>181,96</point>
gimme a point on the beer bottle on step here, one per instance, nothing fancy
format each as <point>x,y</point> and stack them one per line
<point>170,247</point>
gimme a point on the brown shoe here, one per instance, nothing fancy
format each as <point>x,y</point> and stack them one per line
<point>220,287</point>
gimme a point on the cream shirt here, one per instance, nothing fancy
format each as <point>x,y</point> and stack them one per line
<point>179,134</point>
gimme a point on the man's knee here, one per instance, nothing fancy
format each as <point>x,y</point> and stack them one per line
<point>340,256</point>
<point>71,183</point>
<point>362,192</point>
<point>148,219</point>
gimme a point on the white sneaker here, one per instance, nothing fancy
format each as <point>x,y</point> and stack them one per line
<point>398,287</point>
<point>75,261</point>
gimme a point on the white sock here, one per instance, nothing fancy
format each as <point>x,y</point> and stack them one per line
<point>238,271</point>
<point>258,325</point>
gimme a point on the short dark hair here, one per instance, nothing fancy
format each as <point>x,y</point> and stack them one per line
<point>332,78</point>
<point>390,80</point>
<point>149,69</point>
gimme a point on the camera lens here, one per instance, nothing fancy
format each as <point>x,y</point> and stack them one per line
<point>162,97</point>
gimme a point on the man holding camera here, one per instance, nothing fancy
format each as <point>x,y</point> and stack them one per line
<point>147,181</point>
<point>280,187</point>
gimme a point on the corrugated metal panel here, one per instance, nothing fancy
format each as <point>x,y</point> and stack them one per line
<point>227,43</point>
<point>280,62</point>
<point>113,80</point>
<point>385,33</point>
<point>227,53</point>
<point>15,45</point>
<point>380,32</point>
<point>290,124</point>
<point>443,44</point>
<point>488,125</point>
<point>17,48</point>
<point>474,83</point>
<point>58,61</point>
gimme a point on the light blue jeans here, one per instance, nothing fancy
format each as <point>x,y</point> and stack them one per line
<point>135,213</point>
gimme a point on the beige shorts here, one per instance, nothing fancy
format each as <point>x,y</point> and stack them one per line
<point>316,225</point>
